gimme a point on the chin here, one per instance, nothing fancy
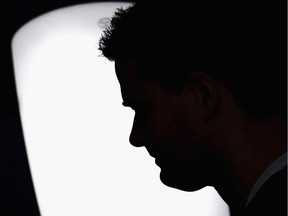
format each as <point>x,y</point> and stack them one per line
<point>181,182</point>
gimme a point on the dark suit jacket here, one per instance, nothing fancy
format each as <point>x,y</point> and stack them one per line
<point>271,200</point>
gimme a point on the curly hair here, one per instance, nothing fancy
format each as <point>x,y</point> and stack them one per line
<point>240,43</point>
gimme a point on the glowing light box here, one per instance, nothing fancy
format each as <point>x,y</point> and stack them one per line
<point>76,130</point>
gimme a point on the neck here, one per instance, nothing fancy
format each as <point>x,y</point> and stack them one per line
<point>253,147</point>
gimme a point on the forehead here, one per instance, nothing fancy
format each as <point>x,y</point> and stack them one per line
<point>133,87</point>
<point>127,77</point>
<point>125,71</point>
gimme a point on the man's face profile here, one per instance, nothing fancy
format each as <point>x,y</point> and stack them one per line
<point>169,126</point>
<point>202,108</point>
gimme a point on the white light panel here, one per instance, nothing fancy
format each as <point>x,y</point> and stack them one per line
<point>76,131</point>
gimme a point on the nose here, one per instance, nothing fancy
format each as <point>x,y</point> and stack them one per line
<point>137,135</point>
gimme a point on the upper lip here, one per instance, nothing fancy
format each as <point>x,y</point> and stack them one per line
<point>151,152</point>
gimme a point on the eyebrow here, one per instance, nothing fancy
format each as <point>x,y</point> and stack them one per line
<point>129,103</point>
<point>132,104</point>
<point>126,104</point>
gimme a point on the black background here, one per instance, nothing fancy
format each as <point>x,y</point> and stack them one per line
<point>17,195</point>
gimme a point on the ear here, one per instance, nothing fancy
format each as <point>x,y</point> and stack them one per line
<point>205,93</point>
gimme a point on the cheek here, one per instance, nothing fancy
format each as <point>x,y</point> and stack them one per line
<point>167,129</point>
<point>161,125</point>
<point>177,133</point>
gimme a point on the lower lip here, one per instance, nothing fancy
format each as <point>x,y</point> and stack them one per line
<point>157,161</point>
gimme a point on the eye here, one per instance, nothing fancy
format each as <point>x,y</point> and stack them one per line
<point>143,112</point>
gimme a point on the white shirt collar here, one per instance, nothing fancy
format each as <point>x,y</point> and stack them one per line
<point>275,167</point>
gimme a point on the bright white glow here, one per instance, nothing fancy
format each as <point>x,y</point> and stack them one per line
<point>76,130</point>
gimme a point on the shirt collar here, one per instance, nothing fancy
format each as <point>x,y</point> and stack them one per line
<point>275,167</point>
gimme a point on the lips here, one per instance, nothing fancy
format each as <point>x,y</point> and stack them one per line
<point>161,162</point>
<point>157,162</point>
<point>155,152</point>
<point>158,158</point>
<point>152,153</point>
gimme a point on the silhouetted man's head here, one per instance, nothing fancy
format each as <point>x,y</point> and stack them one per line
<point>238,43</point>
<point>194,73</point>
